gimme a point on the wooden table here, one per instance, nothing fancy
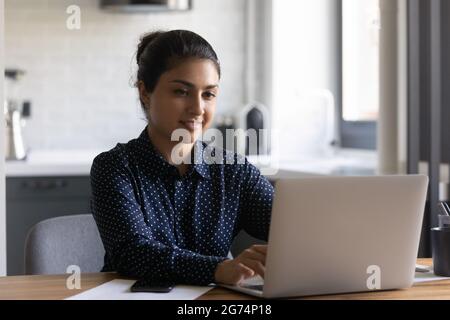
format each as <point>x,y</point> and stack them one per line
<point>44,287</point>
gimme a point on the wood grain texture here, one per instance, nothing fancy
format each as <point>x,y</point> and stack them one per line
<point>53,287</point>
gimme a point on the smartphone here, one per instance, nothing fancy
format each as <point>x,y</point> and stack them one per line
<point>144,285</point>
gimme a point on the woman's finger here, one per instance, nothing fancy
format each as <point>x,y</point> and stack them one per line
<point>261,248</point>
<point>244,272</point>
<point>255,265</point>
<point>255,255</point>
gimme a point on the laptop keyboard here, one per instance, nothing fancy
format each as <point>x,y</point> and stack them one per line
<point>255,283</point>
<point>258,287</point>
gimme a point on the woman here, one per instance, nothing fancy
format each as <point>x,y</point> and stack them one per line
<point>173,222</point>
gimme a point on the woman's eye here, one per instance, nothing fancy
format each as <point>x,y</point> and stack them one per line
<point>181,92</point>
<point>209,95</point>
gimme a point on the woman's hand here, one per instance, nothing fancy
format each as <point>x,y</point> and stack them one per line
<point>250,262</point>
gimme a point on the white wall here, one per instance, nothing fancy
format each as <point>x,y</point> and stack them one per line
<point>2,163</point>
<point>79,80</point>
<point>304,75</point>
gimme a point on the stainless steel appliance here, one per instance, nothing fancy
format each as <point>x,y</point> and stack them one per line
<point>253,117</point>
<point>130,6</point>
<point>14,112</point>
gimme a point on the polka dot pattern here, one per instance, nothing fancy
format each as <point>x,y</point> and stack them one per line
<point>169,228</point>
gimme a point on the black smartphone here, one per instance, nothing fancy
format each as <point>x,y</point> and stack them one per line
<point>144,285</point>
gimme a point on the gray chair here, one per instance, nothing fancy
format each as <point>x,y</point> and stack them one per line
<point>54,244</point>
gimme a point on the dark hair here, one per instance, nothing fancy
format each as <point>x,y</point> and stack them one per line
<point>159,51</point>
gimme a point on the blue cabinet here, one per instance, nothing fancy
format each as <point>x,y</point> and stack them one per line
<point>30,200</point>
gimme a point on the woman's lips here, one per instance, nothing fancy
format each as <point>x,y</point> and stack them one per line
<point>192,125</point>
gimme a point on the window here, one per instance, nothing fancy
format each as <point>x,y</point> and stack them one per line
<point>360,24</point>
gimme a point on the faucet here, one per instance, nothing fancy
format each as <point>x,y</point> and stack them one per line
<point>15,149</point>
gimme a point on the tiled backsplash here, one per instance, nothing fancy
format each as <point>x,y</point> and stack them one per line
<point>80,81</point>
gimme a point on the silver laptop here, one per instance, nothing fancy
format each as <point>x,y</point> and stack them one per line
<point>342,234</point>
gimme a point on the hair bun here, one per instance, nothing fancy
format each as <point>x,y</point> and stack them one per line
<point>145,40</point>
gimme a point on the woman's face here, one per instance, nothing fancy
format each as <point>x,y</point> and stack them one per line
<point>184,98</point>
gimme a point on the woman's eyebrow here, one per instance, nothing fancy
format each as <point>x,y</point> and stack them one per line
<point>186,83</point>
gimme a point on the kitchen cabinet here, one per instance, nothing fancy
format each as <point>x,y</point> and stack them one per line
<point>30,200</point>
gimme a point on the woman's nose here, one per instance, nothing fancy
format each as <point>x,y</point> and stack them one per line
<point>197,106</point>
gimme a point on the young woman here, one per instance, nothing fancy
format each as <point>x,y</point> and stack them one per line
<point>173,222</point>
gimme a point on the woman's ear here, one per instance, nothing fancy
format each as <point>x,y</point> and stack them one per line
<point>143,94</point>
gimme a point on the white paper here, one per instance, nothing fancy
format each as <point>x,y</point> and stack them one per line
<point>119,289</point>
<point>427,276</point>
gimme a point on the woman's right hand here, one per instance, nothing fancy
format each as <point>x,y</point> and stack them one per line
<point>250,262</point>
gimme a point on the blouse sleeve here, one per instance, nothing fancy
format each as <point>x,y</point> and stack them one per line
<point>256,202</point>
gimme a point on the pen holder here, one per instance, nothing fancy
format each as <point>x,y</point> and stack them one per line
<point>440,238</point>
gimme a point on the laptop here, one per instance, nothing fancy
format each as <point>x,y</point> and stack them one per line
<point>338,234</point>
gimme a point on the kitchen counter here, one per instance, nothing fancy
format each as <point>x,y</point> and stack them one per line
<point>342,162</point>
<point>47,163</point>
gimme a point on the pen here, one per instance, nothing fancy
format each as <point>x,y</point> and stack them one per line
<point>443,208</point>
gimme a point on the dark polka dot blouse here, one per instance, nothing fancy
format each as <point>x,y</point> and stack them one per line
<point>174,229</point>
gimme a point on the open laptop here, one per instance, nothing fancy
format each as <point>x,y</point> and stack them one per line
<point>341,234</point>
